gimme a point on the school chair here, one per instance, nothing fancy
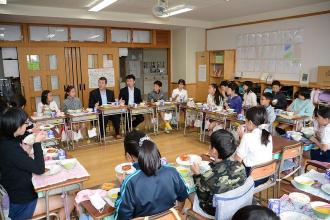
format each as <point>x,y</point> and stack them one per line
<point>53,214</point>
<point>171,214</point>
<point>321,166</point>
<point>263,171</point>
<point>290,163</point>
<point>228,203</point>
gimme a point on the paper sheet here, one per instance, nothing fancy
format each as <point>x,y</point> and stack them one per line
<point>10,68</point>
<point>37,84</point>
<point>95,74</point>
<point>9,53</point>
<point>202,73</point>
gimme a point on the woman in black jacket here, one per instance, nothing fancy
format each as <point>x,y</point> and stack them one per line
<point>16,168</point>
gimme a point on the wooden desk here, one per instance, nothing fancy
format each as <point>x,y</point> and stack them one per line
<point>280,142</point>
<point>107,211</point>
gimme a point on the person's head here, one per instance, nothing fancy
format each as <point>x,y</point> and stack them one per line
<point>181,84</point>
<point>323,116</point>
<point>3,106</point>
<point>102,83</point>
<point>266,98</point>
<point>253,212</point>
<point>157,86</point>
<point>222,144</point>
<point>214,91</point>
<point>232,89</point>
<point>223,86</point>
<point>304,94</point>
<point>276,86</point>
<point>130,80</point>
<point>247,86</point>
<point>17,100</point>
<point>70,91</point>
<point>46,97</point>
<point>13,122</point>
<point>213,88</point>
<point>131,145</point>
<point>256,117</point>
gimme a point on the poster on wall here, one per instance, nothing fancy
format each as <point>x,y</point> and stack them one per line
<point>202,73</point>
<point>95,74</point>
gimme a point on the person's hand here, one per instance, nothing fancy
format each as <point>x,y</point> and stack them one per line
<point>36,129</point>
<point>241,130</point>
<point>97,104</point>
<point>195,168</point>
<point>121,101</point>
<point>226,105</point>
<point>121,177</point>
<point>40,137</point>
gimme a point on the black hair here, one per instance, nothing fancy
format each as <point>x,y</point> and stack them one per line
<point>268,95</point>
<point>324,112</point>
<point>44,97</point>
<point>276,83</point>
<point>3,106</point>
<point>249,84</point>
<point>305,92</point>
<point>11,120</point>
<point>181,81</point>
<point>258,116</point>
<point>68,90</point>
<point>217,95</point>
<point>252,212</point>
<point>131,142</point>
<point>233,87</point>
<point>223,83</point>
<point>149,158</point>
<point>224,142</point>
<point>130,76</point>
<point>159,83</point>
<point>102,78</point>
<point>17,100</point>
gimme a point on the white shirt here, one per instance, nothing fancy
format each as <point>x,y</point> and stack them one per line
<point>52,105</point>
<point>130,96</point>
<point>104,97</point>
<point>250,99</point>
<point>210,101</point>
<point>325,135</point>
<point>182,94</point>
<point>252,152</point>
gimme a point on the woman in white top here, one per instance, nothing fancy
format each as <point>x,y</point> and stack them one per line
<point>180,94</point>
<point>256,146</point>
<point>216,100</point>
<point>250,98</point>
<point>47,102</point>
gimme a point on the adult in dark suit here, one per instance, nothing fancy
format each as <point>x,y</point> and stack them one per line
<point>102,96</point>
<point>131,95</point>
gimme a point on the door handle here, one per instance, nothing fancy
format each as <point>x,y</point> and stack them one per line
<point>84,87</point>
<point>80,87</point>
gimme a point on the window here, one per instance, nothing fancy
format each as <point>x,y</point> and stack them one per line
<point>87,34</point>
<point>10,32</point>
<point>46,33</point>
<point>120,35</point>
<point>141,37</point>
<point>92,61</point>
<point>52,59</point>
<point>33,62</point>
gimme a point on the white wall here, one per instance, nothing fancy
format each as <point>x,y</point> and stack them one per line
<point>315,48</point>
<point>185,43</point>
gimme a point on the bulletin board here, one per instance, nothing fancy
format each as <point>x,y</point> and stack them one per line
<point>95,74</point>
<point>275,52</point>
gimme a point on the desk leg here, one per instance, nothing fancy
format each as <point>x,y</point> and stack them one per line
<point>157,121</point>
<point>103,128</point>
<point>155,125</point>
<point>185,123</point>
<point>72,135</point>
<point>131,120</point>
<point>202,130</point>
<point>47,204</point>
<point>177,118</point>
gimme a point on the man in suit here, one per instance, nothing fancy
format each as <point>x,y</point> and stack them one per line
<point>132,95</point>
<point>102,96</point>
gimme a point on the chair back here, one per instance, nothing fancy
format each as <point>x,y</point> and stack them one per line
<point>291,158</point>
<point>171,214</point>
<point>264,170</point>
<point>228,203</point>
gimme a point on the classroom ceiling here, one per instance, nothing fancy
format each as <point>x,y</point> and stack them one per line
<point>205,10</point>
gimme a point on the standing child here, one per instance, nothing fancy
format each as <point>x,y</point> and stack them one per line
<point>323,141</point>
<point>180,94</point>
<point>256,146</point>
<point>234,100</point>
<point>279,98</point>
<point>250,98</point>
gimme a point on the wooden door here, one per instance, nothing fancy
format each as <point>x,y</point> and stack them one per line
<point>95,58</point>
<point>202,58</point>
<point>41,69</point>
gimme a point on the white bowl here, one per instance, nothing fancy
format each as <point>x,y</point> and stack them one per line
<point>290,215</point>
<point>299,200</point>
<point>69,163</point>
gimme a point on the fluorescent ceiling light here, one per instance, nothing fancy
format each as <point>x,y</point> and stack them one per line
<point>101,5</point>
<point>177,10</point>
<point>94,36</point>
<point>3,2</point>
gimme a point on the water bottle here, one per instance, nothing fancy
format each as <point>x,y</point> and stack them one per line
<point>61,154</point>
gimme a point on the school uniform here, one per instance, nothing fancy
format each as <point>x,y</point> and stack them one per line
<point>250,99</point>
<point>103,98</point>
<point>16,168</point>
<point>141,195</point>
<point>182,95</point>
<point>302,107</point>
<point>319,155</point>
<point>132,96</point>
<point>281,100</point>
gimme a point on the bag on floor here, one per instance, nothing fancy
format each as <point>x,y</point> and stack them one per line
<point>92,133</point>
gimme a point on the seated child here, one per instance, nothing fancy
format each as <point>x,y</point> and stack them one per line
<point>265,100</point>
<point>225,174</point>
<point>216,100</point>
<point>250,98</point>
<point>279,98</point>
<point>323,140</point>
<point>156,95</point>
<point>180,94</point>
<point>234,100</point>
<point>302,105</point>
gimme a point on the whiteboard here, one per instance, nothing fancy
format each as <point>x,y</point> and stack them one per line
<point>95,74</point>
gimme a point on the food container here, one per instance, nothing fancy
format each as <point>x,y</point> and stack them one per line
<point>275,205</point>
<point>320,210</point>
<point>299,200</point>
<point>303,182</point>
